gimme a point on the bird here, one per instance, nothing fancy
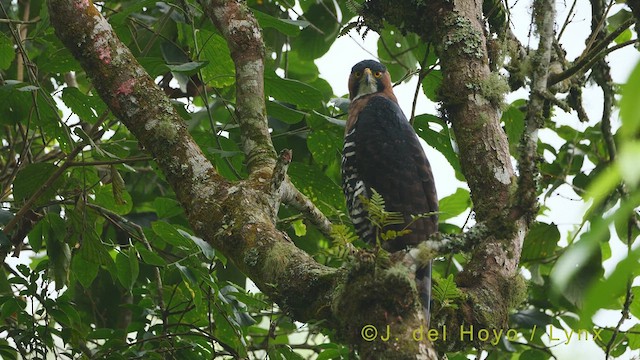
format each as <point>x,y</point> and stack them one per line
<point>382,153</point>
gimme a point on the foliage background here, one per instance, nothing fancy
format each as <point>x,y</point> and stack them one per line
<point>113,269</point>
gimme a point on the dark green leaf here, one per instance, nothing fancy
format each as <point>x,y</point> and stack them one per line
<point>285,26</point>
<point>629,104</point>
<point>431,85</point>
<point>88,108</point>
<point>604,293</point>
<point>532,354</point>
<point>7,54</point>
<point>104,198</point>
<point>540,242</point>
<point>513,119</point>
<point>85,271</point>
<point>170,234</point>
<point>32,178</point>
<point>440,139</point>
<point>285,113</point>
<point>166,207</point>
<point>292,91</point>
<point>149,257</point>
<point>320,189</point>
<point>59,255</point>
<point>325,146</point>
<point>204,246</point>
<point>314,41</point>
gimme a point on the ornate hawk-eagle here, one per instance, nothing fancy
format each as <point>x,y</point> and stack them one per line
<point>382,152</point>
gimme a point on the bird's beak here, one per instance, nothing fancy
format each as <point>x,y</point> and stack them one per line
<point>367,75</point>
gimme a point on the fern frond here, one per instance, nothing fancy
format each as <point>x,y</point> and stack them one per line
<point>343,235</point>
<point>445,291</point>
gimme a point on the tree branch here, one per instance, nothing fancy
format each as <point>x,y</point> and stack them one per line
<point>545,12</point>
<point>240,28</point>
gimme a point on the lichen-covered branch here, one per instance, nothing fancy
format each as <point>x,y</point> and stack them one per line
<point>240,28</point>
<point>544,13</point>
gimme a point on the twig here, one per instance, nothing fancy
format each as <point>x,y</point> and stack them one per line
<point>292,196</point>
<point>587,59</point>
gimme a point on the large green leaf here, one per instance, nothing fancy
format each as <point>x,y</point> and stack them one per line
<point>431,85</point>
<point>286,26</point>
<point>127,268</point>
<point>31,178</point>
<point>325,145</point>
<point>317,186</point>
<point>540,242</point>
<point>316,39</point>
<point>629,104</point>
<point>105,198</point>
<point>454,204</point>
<point>513,119</point>
<point>88,108</point>
<point>440,140</point>
<point>6,52</point>
<point>220,70</point>
<point>292,91</point>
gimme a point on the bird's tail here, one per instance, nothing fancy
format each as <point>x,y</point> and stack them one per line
<point>423,284</point>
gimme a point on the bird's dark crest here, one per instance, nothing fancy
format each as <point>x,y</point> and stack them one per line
<point>371,64</point>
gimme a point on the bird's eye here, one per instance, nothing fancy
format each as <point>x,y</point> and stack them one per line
<point>357,74</point>
<point>377,74</point>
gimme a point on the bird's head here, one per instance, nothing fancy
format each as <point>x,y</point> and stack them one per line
<point>369,77</point>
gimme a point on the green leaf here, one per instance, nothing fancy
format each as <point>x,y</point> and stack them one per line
<point>395,50</point>
<point>438,139</point>
<point>314,41</point>
<point>187,274</point>
<point>635,305</point>
<point>454,204</point>
<point>170,234</point>
<point>629,104</point>
<point>284,113</point>
<point>204,246</point>
<point>533,354</point>
<point>220,71</point>
<point>104,197</point>
<point>285,26</point>
<point>31,178</point>
<point>127,268</point>
<point>317,186</point>
<point>540,242</point>
<point>85,271</point>
<point>149,257</point>
<point>607,291</point>
<point>88,108</point>
<point>7,54</point>
<point>166,207</point>
<point>16,110</point>
<point>633,335</point>
<point>431,85</point>
<point>513,119</point>
<point>325,145</point>
<point>299,228</point>
<point>292,92</point>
